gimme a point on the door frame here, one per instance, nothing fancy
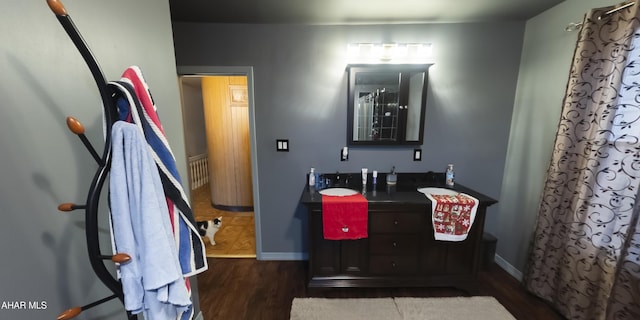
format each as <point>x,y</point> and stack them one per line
<point>204,71</point>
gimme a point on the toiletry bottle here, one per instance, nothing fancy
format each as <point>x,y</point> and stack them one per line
<point>312,177</point>
<point>319,181</point>
<point>365,172</point>
<point>449,176</point>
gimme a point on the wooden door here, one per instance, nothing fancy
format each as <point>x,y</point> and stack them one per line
<point>227,125</point>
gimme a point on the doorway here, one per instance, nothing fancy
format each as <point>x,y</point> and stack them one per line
<point>239,234</point>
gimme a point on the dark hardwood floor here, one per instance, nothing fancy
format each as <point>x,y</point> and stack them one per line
<point>237,289</point>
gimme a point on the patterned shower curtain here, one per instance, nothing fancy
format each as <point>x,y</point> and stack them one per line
<point>585,256</point>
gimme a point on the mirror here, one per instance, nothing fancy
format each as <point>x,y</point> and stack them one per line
<point>386,104</point>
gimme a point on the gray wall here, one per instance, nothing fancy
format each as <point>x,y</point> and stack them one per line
<point>43,79</point>
<point>301,95</point>
<point>546,59</point>
<point>195,136</point>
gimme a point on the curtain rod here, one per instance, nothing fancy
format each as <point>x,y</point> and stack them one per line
<point>614,10</point>
<point>573,26</point>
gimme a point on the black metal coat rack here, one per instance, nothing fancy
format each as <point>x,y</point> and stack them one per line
<point>96,258</point>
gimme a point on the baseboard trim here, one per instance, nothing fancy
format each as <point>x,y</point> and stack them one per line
<point>509,268</point>
<point>283,256</point>
<point>291,256</point>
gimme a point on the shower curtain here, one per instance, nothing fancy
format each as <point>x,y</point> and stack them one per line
<point>585,255</point>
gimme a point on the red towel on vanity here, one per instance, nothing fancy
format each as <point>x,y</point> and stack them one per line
<point>345,218</point>
<point>452,215</point>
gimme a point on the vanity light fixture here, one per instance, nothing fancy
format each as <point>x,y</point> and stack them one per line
<point>381,53</point>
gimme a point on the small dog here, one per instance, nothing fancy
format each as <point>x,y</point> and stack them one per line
<point>209,228</point>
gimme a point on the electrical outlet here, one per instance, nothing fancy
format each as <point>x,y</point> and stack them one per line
<point>417,154</point>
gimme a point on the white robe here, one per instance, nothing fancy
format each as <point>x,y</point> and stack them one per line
<point>152,281</point>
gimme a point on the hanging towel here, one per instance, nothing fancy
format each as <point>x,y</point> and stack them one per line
<point>135,104</point>
<point>152,280</point>
<point>452,213</point>
<point>345,217</point>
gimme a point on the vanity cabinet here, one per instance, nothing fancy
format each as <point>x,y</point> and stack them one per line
<point>386,104</point>
<point>335,257</point>
<point>394,242</point>
<point>400,250</point>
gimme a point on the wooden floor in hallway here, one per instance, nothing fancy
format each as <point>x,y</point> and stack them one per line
<point>236,238</point>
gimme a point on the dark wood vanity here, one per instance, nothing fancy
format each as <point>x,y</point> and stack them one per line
<point>400,250</point>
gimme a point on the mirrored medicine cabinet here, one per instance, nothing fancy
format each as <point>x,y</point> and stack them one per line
<point>386,104</point>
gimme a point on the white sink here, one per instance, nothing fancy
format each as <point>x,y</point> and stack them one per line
<point>338,192</point>
<point>438,191</point>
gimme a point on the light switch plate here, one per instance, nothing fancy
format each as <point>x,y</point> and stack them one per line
<point>282,145</point>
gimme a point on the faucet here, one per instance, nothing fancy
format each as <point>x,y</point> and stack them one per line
<point>342,179</point>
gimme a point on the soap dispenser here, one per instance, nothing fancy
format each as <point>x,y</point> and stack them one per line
<point>312,177</point>
<point>392,178</point>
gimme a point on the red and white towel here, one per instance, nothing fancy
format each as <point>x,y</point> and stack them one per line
<point>453,213</point>
<point>345,217</point>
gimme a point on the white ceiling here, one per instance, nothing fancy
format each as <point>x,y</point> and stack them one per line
<point>355,11</point>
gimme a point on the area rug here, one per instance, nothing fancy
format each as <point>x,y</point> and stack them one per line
<point>453,308</point>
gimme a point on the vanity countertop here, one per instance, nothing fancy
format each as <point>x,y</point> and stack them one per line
<point>405,192</point>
